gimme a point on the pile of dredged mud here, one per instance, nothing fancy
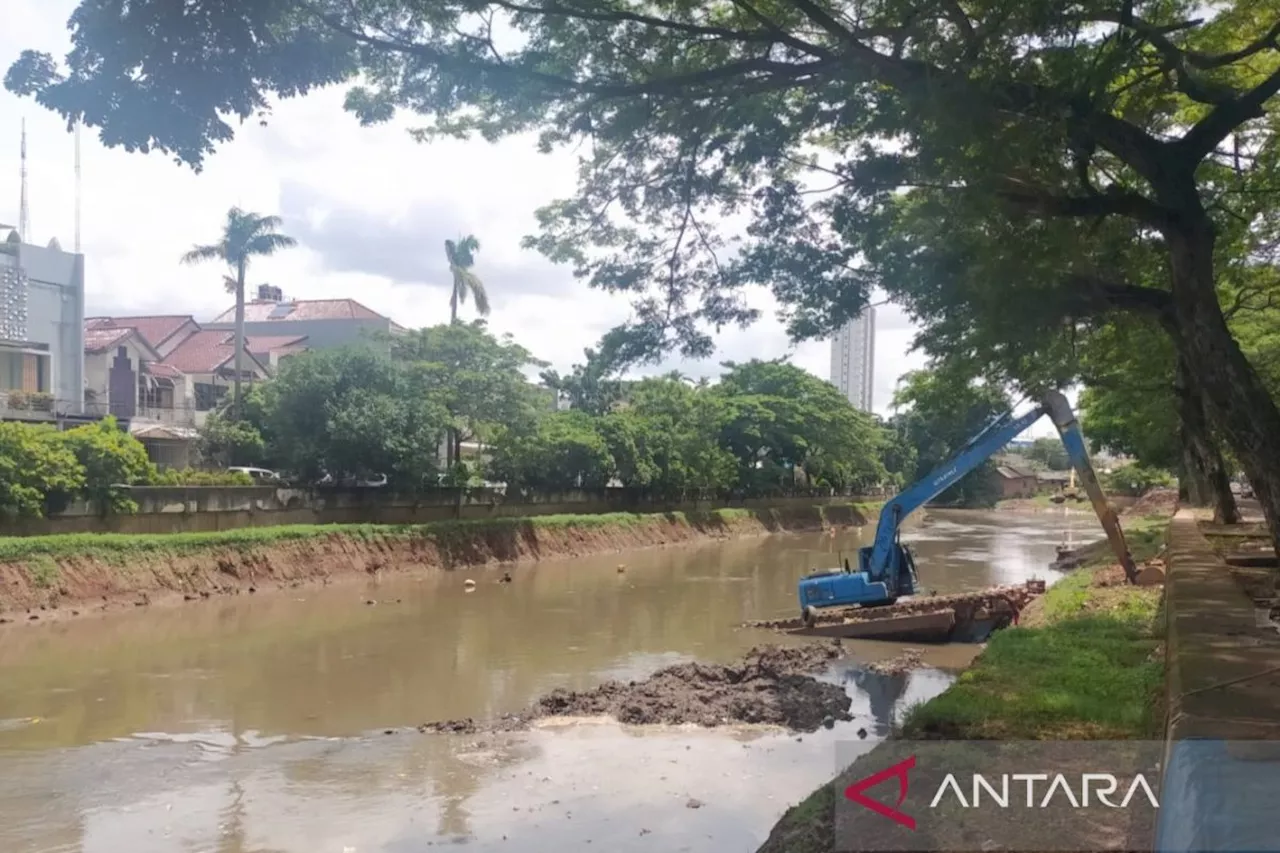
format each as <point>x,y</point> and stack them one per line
<point>771,685</point>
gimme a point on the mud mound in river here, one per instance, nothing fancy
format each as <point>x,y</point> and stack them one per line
<point>771,685</point>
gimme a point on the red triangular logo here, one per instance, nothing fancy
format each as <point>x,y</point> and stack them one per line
<point>898,771</point>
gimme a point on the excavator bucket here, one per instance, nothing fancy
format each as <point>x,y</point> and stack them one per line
<point>1069,429</point>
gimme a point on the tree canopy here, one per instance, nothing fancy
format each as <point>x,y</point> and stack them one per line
<point>1067,160</point>
<point>945,408</point>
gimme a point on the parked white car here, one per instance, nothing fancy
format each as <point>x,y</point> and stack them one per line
<point>259,475</point>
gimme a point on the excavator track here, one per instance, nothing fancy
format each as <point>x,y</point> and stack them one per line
<point>960,617</point>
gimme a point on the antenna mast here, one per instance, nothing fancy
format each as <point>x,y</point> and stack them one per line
<point>24,212</point>
<point>77,143</point>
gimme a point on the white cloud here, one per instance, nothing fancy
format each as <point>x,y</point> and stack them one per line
<point>141,212</point>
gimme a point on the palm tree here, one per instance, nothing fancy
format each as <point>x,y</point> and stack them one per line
<point>244,235</point>
<point>462,256</point>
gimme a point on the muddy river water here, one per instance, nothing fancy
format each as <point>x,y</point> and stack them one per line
<point>259,724</point>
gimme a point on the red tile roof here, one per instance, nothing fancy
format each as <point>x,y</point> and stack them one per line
<point>103,339</point>
<point>268,343</point>
<point>303,309</point>
<point>164,371</point>
<point>205,352</point>
<point>156,328</point>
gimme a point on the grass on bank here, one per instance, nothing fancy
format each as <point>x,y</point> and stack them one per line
<point>39,551</point>
<point>1090,669</point>
<point>1086,668</point>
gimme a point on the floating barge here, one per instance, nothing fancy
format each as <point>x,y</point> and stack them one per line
<point>968,617</point>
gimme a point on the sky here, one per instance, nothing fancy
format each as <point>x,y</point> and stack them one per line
<point>370,209</point>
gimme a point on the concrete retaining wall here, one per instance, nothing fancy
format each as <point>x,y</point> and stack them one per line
<point>208,508</point>
<point>1221,787</point>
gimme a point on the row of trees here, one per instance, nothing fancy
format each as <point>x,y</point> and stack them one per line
<point>358,412</point>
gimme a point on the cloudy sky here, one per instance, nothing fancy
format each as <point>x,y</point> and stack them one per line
<point>370,208</point>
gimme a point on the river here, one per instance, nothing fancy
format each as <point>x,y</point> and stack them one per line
<point>259,723</point>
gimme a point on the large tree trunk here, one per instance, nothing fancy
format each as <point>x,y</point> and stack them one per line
<point>1231,389</point>
<point>1202,459</point>
<point>1207,481</point>
<point>239,355</point>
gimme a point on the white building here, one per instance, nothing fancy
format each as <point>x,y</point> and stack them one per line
<point>41,330</point>
<point>853,352</point>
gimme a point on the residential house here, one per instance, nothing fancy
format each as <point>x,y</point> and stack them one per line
<point>207,357</point>
<point>114,365</point>
<point>1015,483</point>
<point>161,392</point>
<point>271,350</point>
<point>1054,480</point>
<point>41,330</point>
<point>162,331</point>
<point>325,323</point>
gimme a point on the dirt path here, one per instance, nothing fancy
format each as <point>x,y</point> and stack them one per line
<point>771,685</point>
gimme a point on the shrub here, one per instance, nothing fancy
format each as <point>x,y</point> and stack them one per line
<point>110,457</point>
<point>196,477</point>
<point>228,442</point>
<point>39,472</point>
<point>1136,479</point>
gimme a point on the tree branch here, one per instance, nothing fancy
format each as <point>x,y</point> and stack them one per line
<point>1099,292</point>
<point>1111,202</point>
<point>621,15</point>
<point>1205,135</point>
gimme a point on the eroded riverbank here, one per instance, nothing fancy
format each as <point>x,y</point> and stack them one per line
<point>257,722</point>
<point>55,577</point>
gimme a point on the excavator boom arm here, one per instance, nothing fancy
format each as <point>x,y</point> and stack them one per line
<point>988,441</point>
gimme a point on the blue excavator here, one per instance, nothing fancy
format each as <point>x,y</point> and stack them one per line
<point>886,569</point>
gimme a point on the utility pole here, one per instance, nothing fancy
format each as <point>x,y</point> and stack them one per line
<point>24,211</point>
<point>77,144</point>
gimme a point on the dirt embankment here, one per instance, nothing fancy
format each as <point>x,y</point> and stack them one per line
<point>772,685</point>
<point>106,572</point>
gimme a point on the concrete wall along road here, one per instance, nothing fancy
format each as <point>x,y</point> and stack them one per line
<point>176,509</point>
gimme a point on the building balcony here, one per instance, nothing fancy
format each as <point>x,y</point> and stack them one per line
<point>26,405</point>
<point>181,416</point>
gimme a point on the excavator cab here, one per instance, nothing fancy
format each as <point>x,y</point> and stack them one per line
<point>844,588</point>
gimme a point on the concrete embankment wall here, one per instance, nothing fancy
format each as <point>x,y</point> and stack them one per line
<point>197,509</point>
<point>1223,686</point>
<point>60,572</point>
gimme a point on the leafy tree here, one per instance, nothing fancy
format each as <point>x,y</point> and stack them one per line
<point>1136,479</point>
<point>245,235</point>
<point>477,377</point>
<point>354,413</point>
<point>1060,126</point>
<point>565,450</point>
<point>898,455</point>
<point>672,433</point>
<point>783,418</point>
<point>461,255</point>
<point>947,409</point>
<point>39,472</point>
<point>1050,453</point>
<point>109,457</point>
<point>1138,402</point>
<point>592,387</point>
<point>226,442</point>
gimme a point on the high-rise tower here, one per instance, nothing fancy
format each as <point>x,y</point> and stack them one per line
<point>853,352</point>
